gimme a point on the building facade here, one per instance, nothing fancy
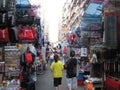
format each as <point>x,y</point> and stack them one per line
<point>73,11</point>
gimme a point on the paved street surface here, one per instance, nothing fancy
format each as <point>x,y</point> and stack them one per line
<point>45,81</point>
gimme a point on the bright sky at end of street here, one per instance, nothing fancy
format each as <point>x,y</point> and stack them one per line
<point>52,13</point>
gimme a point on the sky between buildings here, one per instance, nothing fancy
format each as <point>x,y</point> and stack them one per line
<point>52,13</point>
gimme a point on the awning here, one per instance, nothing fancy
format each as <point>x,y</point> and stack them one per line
<point>92,18</point>
<point>23,3</point>
<point>94,10</point>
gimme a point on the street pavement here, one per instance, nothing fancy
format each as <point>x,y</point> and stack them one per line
<point>45,81</point>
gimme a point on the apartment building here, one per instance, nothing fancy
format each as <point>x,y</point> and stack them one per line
<point>73,11</point>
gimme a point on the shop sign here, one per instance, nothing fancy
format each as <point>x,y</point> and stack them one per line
<point>64,30</point>
<point>90,25</point>
<point>109,12</point>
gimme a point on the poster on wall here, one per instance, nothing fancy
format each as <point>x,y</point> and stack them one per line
<point>84,52</point>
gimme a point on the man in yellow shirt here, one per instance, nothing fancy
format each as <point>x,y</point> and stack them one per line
<point>57,70</point>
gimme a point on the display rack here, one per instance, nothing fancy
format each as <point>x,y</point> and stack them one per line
<point>9,68</point>
<point>12,60</point>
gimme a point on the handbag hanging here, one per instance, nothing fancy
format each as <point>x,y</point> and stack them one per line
<point>4,35</point>
<point>3,18</point>
<point>27,33</point>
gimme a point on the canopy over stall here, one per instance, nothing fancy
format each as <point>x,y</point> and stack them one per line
<point>23,4</point>
<point>92,18</point>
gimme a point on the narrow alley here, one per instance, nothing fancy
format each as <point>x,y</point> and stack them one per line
<point>80,36</point>
<point>45,81</point>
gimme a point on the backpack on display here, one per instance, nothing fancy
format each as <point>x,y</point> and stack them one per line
<point>4,35</point>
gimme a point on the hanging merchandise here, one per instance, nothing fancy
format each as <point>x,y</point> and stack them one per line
<point>32,49</point>
<point>75,38</point>
<point>31,13</point>
<point>13,32</point>
<point>3,19</point>
<point>110,31</point>
<point>78,31</point>
<point>11,21</point>
<point>84,52</point>
<point>22,15</point>
<point>19,46</point>
<point>25,20</point>
<point>3,6</point>
<point>94,58</point>
<point>4,35</point>
<point>27,33</point>
<point>11,57</point>
<point>65,49</point>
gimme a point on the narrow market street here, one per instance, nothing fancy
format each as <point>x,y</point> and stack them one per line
<point>80,36</point>
<point>45,81</point>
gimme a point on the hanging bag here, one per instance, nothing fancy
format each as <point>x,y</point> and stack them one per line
<point>27,34</point>
<point>4,35</point>
<point>3,19</point>
<point>25,20</point>
<point>3,6</point>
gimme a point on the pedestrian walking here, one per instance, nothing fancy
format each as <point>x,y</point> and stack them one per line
<point>57,71</point>
<point>51,57</point>
<point>71,71</point>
